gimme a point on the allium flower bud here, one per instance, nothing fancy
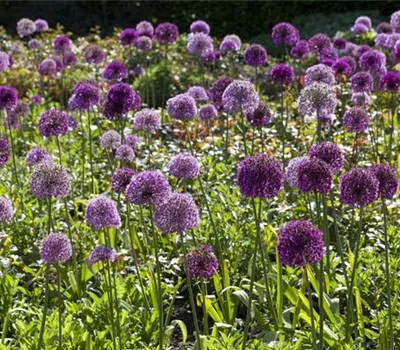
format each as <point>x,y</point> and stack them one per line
<point>25,27</point>
<point>115,71</point>
<point>94,54</point>
<point>124,153</point>
<point>285,34</point>
<point>314,175</point>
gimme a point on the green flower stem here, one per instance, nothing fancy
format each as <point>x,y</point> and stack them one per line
<point>313,332</point>
<point>44,315</point>
<point>59,307</point>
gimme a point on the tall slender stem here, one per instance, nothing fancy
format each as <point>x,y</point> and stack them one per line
<point>205,313</point>
<point>59,307</point>
<point>90,152</point>
<point>313,332</point>
<point>44,315</point>
<point>13,154</point>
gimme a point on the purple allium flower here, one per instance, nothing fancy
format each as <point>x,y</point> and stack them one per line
<point>384,27</point>
<point>50,180</point>
<point>292,171</point>
<point>145,28</point>
<point>390,82</point>
<point>4,61</point>
<point>396,51</point>
<point>36,156</point>
<point>210,57</point>
<point>36,99</point>
<point>184,166</point>
<point>356,119</point>
<point>124,153</point>
<point>217,89</point>
<point>34,44</point>
<point>56,248</point>
<point>208,112</point>
<point>326,119</point>
<point>282,74</point>
<point>255,55</point>
<point>362,82</point>
<point>359,29</point>
<point>201,262</point>
<point>102,213</point>
<point>200,27</point>
<point>301,50</point>
<point>199,44</point>
<point>62,44</point>
<point>381,41</point>
<point>148,120</point>
<point>387,178</point>
<point>72,123</point>
<point>329,53</point>
<point>234,38</point>
<point>94,54</point>
<point>198,93</point>
<point>133,141</point>
<point>350,48</point>
<point>53,123</point>
<point>59,63</point>
<point>167,33</point>
<point>350,61</point>
<point>314,175</point>
<point>229,45</point>
<point>182,107</point>
<point>365,20</point>
<point>177,213</point>
<point>319,43</point>
<point>128,36</point>
<point>373,62</point>
<point>320,73</point>
<point>138,71</point>
<point>330,153</point>
<point>285,34</point>
<point>360,99</point>
<point>120,99</point>
<point>25,27</point>
<point>47,67</point>
<point>12,118</point>
<point>361,49</point>
<point>395,21</point>
<point>86,95</point>
<point>318,98</point>
<point>300,243</point>
<point>110,140</point>
<point>147,187</point>
<point>121,179</point>
<point>339,43</point>
<point>69,59</point>
<point>260,117</point>
<point>4,151</point>
<point>6,210</point>
<point>8,97</point>
<point>260,176</point>
<point>41,25</point>
<point>392,40</point>
<point>240,96</point>
<point>115,71</point>
<point>341,67</point>
<point>358,187</point>
<point>144,43</point>
<point>102,254</point>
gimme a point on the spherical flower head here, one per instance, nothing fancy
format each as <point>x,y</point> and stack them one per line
<point>56,248</point>
<point>316,99</point>
<point>199,44</point>
<point>48,67</point>
<point>330,153</point>
<point>365,20</point>
<point>147,119</point>
<point>319,43</point>
<point>133,141</point>
<point>50,180</point>
<point>358,187</point>
<point>34,44</point>
<point>341,68</point>
<point>350,61</point>
<point>390,82</point>
<point>314,175</point>
<point>235,39</point>
<point>86,95</point>
<point>121,179</point>
<point>217,89</point>
<point>356,119</point>
<point>59,63</point>
<point>339,43</point>
<point>209,57</point>
<point>359,29</point>
<point>6,210</point>
<point>36,99</point>
<point>381,41</point>
<point>110,140</point>
<point>69,59</point>
<point>300,244</point>
<point>182,107</point>
<point>184,166</point>
<point>4,61</point>
<point>208,111</point>
<point>25,27</point>
<point>387,178</point>
<point>198,93</point>
<point>177,213</point>
<point>260,176</point>
<point>301,50</point>
<point>201,262</point>
<point>102,254</point>
<point>115,71</point>
<point>8,97</point>
<point>395,21</point>
<point>392,40</point>
<point>4,151</point>
<point>94,54</point>
<point>167,33</point>
<point>102,213</point>
<point>362,82</point>
<point>326,119</point>
<point>147,187</point>
<point>360,99</point>
<point>320,73</point>
<point>285,34</point>
<point>292,171</point>
<point>144,43</point>
<point>36,156</point>
<point>282,74</point>
<point>53,123</point>
<point>384,27</point>
<point>41,25</point>
<point>138,71</point>
<point>396,50</point>
<point>255,55</point>
<point>120,99</point>
<point>240,96</point>
<point>260,117</point>
<point>200,27</point>
<point>62,44</point>
<point>124,153</point>
<point>128,36</point>
<point>145,28</point>
<point>229,45</point>
<point>373,62</point>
